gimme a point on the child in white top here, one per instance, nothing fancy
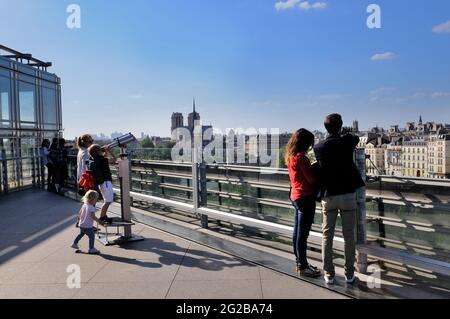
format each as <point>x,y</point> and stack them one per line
<point>85,221</point>
<point>83,157</point>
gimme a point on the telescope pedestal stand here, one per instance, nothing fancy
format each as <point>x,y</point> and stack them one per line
<point>125,203</point>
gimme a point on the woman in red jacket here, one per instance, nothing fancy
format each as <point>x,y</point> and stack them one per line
<point>303,196</point>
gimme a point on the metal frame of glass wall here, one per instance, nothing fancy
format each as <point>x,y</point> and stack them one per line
<point>30,111</point>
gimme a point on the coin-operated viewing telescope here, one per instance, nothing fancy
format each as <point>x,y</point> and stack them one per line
<point>125,142</point>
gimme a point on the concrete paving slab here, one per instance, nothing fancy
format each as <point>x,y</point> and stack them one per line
<point>146,290</point>
<point>29,291</point>
<point>12,269</point>
<point>34,260</point>
<point>151,249</point>
<point>291,288</point>
<point>220,289</point>
<point>127,270</point>
<point>268,274</point>
<point>56,272</point>
<point>196,250</point>
<point>209,269</point>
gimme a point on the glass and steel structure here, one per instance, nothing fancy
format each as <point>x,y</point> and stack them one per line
<point>30,111</point>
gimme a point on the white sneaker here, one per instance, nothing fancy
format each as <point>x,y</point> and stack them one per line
<point>75,246</point>
<point>94,251</point>
<point>329,279</point>
<point>351,280</point>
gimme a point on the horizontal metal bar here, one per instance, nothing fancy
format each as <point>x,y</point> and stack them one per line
<point>387,254</point>
<point>223,216</point>
<point>379,252</point>
<point>19,158</point>
<point>415,180</point>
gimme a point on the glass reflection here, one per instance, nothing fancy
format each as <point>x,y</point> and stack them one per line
<point>49,104</point>
<point>27,94</point>
<point>5,89</point>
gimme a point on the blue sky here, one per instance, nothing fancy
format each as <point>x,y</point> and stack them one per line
<point>248,64</point>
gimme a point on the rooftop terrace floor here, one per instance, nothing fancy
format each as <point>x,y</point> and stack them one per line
<point>37,230</point>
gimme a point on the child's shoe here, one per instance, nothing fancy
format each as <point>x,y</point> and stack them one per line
<point>94,251</point>
<point>75,246</point>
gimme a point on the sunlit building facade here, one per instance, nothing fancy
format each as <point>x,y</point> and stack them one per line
<point>30,111</point>
<point>439,156</point>
<point>415,158</point>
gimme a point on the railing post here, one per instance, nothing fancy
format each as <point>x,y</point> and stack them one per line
<point>219,186</point>
<point>195,187</point>
<point>199,174</point>
<point>361,223</point>
<point>4,172</point>
<point>188,193</point>
<point>163,189</point>
<point>258,205</point>
<point>33,166</point>
<point>381,226</point>
<point>203,193</point>
<point>41,170</point>
<point>130,172</point>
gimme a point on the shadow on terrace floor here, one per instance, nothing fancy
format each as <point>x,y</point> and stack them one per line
<point>31,218</point>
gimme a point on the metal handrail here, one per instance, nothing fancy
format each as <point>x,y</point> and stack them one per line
<point>230,174</point>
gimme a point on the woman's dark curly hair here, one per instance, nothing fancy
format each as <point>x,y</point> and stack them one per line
<point>301,141</point>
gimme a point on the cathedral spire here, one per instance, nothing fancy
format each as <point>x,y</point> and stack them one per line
<point>420,120</point>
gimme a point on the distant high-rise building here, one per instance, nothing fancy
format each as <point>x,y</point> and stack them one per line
<point>355,127</point>
<point>116,135</point>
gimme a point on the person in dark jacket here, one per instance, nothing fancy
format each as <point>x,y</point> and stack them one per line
<point>53,159</point>
<point>58,155</point>
<point>99,167</point>
<point>339,181</point>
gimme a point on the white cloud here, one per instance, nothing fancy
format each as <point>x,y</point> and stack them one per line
<point>330,96</point>
<point>308,6</point>
<point>382,91</point>
<point>436,95</point>
<point>383,56</point>
<point>288,4</point>
<point>136,96</point>
<point>393,94</point>
<point>418,95</point>
<point>303,5</point>
<point>442,28</point>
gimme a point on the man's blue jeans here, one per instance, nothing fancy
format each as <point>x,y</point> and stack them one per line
<point>305,210</point>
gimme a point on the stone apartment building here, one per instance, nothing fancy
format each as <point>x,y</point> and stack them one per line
<point>393,164</point>
<point>421,150</point>
<point>415,154</point>
<point>376,152</point>
<point>439,156</point>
